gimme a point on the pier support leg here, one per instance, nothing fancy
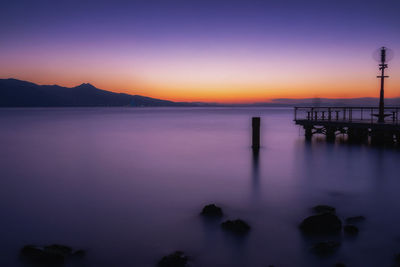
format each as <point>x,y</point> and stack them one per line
<point>377,137</point>
<point>397,135</point>
<point>330,134</point>
<point>357,135</point>
<point>308,132</point>
<point>364,135</point>
<point>256,132</point>
<point>353,135</point>
<point>389,138</point>
<point>381,137</point>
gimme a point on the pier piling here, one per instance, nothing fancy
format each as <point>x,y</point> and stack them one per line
<point>255,121</point>
<point>330,134</point>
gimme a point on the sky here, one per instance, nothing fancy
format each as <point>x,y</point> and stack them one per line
<point>208,50</point>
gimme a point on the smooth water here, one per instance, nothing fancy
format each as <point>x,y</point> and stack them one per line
<point>128,184</point>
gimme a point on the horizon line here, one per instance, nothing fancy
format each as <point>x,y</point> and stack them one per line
<point>239,102</point>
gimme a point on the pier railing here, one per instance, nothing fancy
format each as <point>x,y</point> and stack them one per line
<point>346,114</point>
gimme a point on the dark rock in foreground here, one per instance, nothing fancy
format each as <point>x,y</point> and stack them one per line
<point>212,211</point>
<point>236,226</point>
<point>350,229</point>
<point>53,254</point>
<point>339,264</point>
<point>61,249</point>
<point>355,219</point>
<point>397,259</point>
<point>79,253</point>
<point>176,259</point>
<point>41,255</point>
<point>325,223</point>
<point>323,209</point>
<point>327,247</point>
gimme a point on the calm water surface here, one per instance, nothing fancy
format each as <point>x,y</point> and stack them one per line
<point>127,185</point>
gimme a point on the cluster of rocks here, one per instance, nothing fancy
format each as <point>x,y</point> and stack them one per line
<point>176,259</point>
<point>211,211</point>
<point>326,222</point>
<point>237,226</point>
<point>323,222</point>
<point>52,254</point>
<point>326,247</point>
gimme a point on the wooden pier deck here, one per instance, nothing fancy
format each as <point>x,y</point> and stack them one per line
<point>360,124</point>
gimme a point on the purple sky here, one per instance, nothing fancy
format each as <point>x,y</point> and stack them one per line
<point>202,50</point>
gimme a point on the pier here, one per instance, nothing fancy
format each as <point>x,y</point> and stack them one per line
<point>360,124</point>
<point>378,125</point>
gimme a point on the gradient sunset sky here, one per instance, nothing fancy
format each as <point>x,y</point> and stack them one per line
<point>220,51</point>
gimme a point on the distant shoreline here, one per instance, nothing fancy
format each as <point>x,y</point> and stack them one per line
<point>16,93</point>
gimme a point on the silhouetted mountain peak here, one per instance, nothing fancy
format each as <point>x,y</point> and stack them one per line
<point>17,93</point>
<point>15,82</point>
<point>86,86</point>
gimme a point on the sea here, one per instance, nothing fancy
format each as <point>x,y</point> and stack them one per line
<point>127,185</point>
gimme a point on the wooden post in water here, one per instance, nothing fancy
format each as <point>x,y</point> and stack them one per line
<point>255,122</point>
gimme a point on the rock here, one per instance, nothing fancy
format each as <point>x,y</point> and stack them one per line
<point>52,254</point>
<point>41,255</point>
<point>350,229</point>
<point>176,259</point>
<point>212,211</point>
<point>325,223</point>
<point>327,247</point>
<point>79,253</point>
<point>323,209</point>
<point>355,219</point>
<point>339,264</point>
<point>60,249</point>
<point>236,226</point>
<point>397,259</point>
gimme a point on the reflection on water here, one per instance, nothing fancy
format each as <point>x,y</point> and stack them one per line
<point>255,172</point>
<point>128,185</point>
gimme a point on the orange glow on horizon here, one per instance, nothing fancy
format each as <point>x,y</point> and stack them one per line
<point>233,93</point>
<point>217,75</point>
<point>212,79</point>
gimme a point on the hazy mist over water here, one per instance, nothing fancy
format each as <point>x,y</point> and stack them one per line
<point>128,184</point>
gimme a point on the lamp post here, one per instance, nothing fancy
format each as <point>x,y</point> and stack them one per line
<point>382,67</point>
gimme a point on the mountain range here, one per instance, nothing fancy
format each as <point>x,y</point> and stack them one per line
<point>17,93</point>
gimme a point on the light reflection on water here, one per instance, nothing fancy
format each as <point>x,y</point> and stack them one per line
<point>128,185</point>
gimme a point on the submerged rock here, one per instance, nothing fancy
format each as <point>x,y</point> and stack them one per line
<point>212,210</point>
<point>61,249</point>
<point>326,247</point>
<point>350,229</point>
<point>42,255</point>
<point>355,219</point>
<point>325,223</point>
<point>397,259</point>
<point>52,254</point>
<point>79,253</point>
<point>323,209</point>
<point>236,226</point>
<point>176,259</point>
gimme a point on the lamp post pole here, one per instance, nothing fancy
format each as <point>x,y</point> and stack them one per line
<point>382,67</point>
